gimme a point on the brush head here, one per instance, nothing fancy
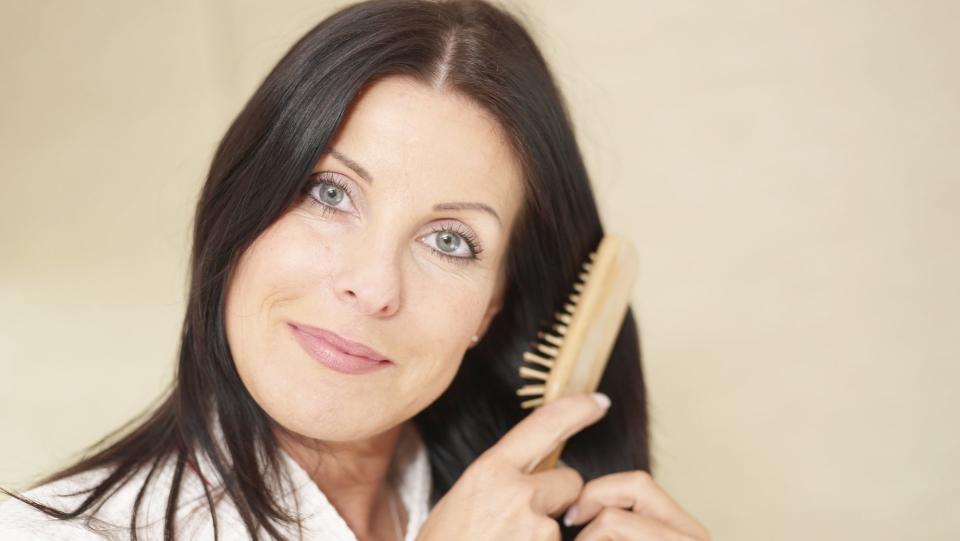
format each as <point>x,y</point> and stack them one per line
<point>570,356</point>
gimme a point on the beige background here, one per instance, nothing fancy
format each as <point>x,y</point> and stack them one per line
<point>788,170</point>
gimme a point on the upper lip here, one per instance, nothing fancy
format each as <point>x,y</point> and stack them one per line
<point>341,343</point>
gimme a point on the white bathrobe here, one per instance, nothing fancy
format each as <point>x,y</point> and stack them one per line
<point>321,521</point>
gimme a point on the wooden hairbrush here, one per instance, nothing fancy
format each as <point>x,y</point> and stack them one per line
<point>571,359</point>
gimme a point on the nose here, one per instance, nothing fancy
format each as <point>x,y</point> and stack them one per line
<point>369,280</point>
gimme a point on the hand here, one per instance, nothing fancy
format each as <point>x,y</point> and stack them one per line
<point>497,497</point>
<point>631,506</point>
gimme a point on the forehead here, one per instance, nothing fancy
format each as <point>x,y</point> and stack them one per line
<point>407,133</point>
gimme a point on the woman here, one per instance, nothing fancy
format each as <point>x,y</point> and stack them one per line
<point>384,229</point>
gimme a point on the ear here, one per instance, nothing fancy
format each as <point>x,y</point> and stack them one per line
<point>493,308</point>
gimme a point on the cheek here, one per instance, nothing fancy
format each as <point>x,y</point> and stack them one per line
<point>273,276</point>
<point>452,320</point>
<point>279,267</point>
<point>442,331</point>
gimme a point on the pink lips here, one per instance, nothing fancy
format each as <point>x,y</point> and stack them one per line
<point>336,352</point>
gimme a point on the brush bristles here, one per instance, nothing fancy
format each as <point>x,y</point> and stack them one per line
<point>536,359</point>
<point>531,390</point>
<point>530,373</point>
<point>549,350</point>
<point>532,403</point>
<point>549,345</point>
<point>550,339</point>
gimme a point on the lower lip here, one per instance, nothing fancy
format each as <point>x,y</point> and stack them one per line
<point>333,358</point>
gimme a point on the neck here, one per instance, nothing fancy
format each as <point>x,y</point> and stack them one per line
<point>355,478</point>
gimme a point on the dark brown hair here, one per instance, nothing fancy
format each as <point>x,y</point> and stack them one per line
<point>260,170</point>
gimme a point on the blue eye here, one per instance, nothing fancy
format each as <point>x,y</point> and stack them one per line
<point>329,192</point>
<point>453,240</point>
<point>331,195</point>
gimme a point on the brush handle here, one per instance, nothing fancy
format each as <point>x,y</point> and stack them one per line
<point>594,328</point>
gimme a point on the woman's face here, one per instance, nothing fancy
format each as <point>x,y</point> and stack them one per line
<point>399,245</point>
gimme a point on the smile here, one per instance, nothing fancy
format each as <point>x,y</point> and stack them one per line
<point>337,353</point>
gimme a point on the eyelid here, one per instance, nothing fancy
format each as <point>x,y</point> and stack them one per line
<point>326,177</point>
<point>469,238</point>
<point>462,231</point>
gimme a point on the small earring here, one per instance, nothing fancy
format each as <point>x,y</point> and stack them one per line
<point>475,339</point>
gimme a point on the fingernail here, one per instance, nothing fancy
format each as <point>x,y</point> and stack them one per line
<point>570,515</point>
<point>602,399</point>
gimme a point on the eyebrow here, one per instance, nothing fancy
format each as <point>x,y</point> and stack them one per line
<point>460,205</point>
<point>456,205</point>
<point>357,168</point>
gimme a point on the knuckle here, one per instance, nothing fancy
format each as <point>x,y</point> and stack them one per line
<point>609,517</point>
<point>522,493</point>
<point>518,490</point>
<point>546,529</point>
<point>641,478</point>
<point>576,480</point>
<point>588,489</point>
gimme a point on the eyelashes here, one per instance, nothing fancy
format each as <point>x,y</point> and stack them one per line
<point>463,233</point>
<point>320,180</point>
<point>468,237</point>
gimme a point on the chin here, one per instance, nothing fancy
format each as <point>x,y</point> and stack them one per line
<point>330,414</point>
<point>337,428</point>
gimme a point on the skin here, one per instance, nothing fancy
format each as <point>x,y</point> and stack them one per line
<point>498,497</point>
<point>369,273</point>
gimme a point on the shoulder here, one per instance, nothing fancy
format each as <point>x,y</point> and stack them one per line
<point>21,521</point>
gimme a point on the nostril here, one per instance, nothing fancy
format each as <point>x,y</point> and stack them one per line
<point>369,304</point>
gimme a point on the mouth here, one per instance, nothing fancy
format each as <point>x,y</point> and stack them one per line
<point>336,352</point>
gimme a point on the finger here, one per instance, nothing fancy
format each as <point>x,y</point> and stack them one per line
<point>614,524</point>
<point>539,433</point>
<point>555,490</point>
<point>635,491</point>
